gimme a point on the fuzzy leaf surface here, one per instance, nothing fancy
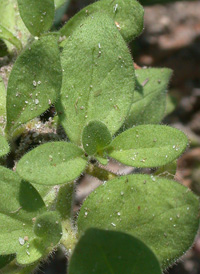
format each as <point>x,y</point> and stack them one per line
<point>95,137</point>
<point>160,212</point>
<point>7,35</point>
<point>37,15</point>
<point>4,146</point>
<point>34,82</point>
<point>101,252</point>
<point>126,14</point>
<point>19,204</point>
<point>148,146</point>
<point>52,163</point>
<point>48,231</point>
<point>98,77</point>
<point>149,101</point>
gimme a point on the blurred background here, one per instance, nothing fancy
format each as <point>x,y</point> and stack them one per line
<point>171,38</point>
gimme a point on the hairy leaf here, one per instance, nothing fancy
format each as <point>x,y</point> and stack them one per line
<point>148,146</point>
<point>7,35</point>
<point>160,212</point>
<point>52,163</point>
<point>64,201</point>
<point>48,227</point>
<point>34,82</point>
<point>100,251</point>
<point>4,146</point>
<point>95,137</point>
<point>149,98</point>
<point>19,204</point>
<point>98,77</point>
<point>37,15</point>
<point>23,217</point>
<point>127,15</point>
<point>48,231</point>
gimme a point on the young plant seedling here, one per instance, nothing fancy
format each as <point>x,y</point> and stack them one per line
<point>137,223</point>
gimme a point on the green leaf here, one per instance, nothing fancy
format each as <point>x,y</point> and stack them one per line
<point>149,98</point>
<point>34,82</point>
<point>160,212</point>
<point>3,48</point>
<point>101,252</point>
<point>13,268</point>
<point>7,35</point>
<point>11,20</point>
<point>2,98</point>
<point>127,15</point>
<point>18,206</point>
<point>48,231</point>
<point>4,146</point>
<point>2,104</point>
<point>52,163</point>
<point>101,160</point>
<point>48,227</point>
<point>95,137</point>
<point>6,259</point>
<point>37,15</point>
<point>98,78</point>
<point>171,104</point>
<point>167,171</point>
<point>64,203</point>
<point>60,3</point>
<point>148,146</point>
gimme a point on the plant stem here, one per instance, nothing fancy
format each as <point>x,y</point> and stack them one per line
<point>69,238</point>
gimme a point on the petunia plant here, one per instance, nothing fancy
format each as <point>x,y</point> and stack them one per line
<point>109,111</point>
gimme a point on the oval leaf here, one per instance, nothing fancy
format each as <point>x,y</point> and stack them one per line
<point>127,16</point>
<point>148,146</point>
<point>52,163</point>
<point>95,137</point>
<point>160,212</point>
<point>34,82</point>
<point>149,102</point>
<point>4,146</point>
<point>101,252</point>
<point>98,78</point>
<point>37,15</point>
